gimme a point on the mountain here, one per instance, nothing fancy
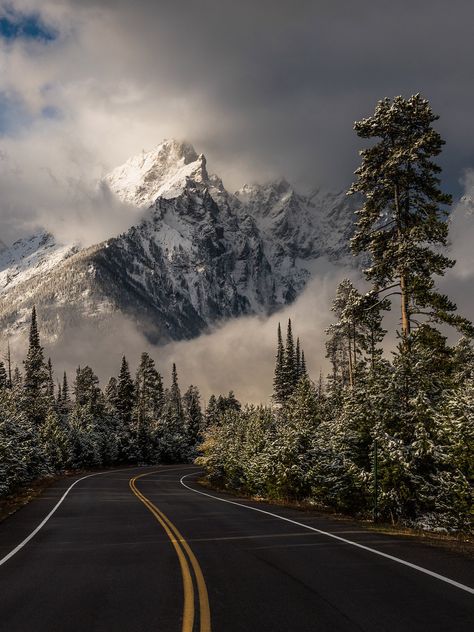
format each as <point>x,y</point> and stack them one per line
<point>198,256</point>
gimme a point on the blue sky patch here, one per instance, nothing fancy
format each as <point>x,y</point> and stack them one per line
<point>15,25</point>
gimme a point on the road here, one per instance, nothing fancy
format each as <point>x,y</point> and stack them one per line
<point>135,550</point>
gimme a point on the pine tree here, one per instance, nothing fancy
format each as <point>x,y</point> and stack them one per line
<point>54,442</point>
<point>65,391</point>
<point>148,389</point>
<point>36,380</point>
<point>402,222</point>
<point>174,402</point>
<point>227,403</point>
<point>211,416</point>
<point>193,417</point>
<point>125,392</point>
<point>171,431</point>
<point>63,400</point>
<point>147,411</point>
<point>21,458</point>
<point>298,361</point>
<point>111,393</point>
<point>278,379</point>
<point>87,392</point>
<point>304,371</point>
<point>289,364</point>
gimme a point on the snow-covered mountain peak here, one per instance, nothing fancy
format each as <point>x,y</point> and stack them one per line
<point>162,172</point>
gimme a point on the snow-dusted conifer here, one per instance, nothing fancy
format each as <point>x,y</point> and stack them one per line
<point>36,379</point>
<point>125,392</point>
<point>278,378</point>
<point>402,221</point>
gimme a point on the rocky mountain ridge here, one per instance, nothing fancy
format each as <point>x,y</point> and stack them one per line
<point>198,256</point>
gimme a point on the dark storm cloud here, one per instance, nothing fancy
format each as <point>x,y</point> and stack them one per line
<point>276,85</point>
<point>264,88</point>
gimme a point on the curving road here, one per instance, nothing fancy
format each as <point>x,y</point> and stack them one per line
<point>145,549</point>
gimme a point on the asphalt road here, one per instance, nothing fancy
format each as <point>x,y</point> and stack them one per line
<point>135,550</point>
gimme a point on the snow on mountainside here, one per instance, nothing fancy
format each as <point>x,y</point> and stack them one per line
<point>29,257</point>
<point>199,255</point>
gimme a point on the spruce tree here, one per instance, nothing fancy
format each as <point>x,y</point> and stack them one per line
<point>87,392</point>
<point>149,389</point>
<point>402,223</point>
<point>227,402</point>
<point>211,416</point>
<point>289,364</point>
<point>147,411</point>
<point>193,415</point>
<point>63,400</point>
<point>175,394</point>
<point>65,391</point>
<point>278,379</point>
<point>111,393</point>
<point>298,360</point>
<point>304,371</point>
<point>54,442</point>
<point>173,445</point>
<point>125,392</point>
<point>36,379</point>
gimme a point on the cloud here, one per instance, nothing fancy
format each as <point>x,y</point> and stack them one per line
<point>264,89</point>
<point>239,354</point>
<point>55,198</point>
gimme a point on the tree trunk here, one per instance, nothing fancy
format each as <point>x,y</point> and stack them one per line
<point>372,349</point>
<point>351,368</point>
<point>355,352</point>
<point>403,275</point>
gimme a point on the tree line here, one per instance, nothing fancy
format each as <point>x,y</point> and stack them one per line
<point>48,426</point>
<point>388,433</point>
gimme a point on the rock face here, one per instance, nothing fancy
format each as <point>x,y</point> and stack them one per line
<point>200,254</point>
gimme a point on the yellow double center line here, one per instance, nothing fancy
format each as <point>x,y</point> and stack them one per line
<point>185,555</point>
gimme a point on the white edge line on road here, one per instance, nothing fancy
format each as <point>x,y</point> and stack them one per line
<point>336,537</point>
<point>45,520</point>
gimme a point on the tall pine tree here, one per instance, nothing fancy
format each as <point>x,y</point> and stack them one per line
<point>290,378</point>
<point>402,223</point>
<point>278,378</point>
<point>36,378</point>
<point>125,392</point>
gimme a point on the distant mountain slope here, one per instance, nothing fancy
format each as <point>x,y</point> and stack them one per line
<point>200,254</point>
